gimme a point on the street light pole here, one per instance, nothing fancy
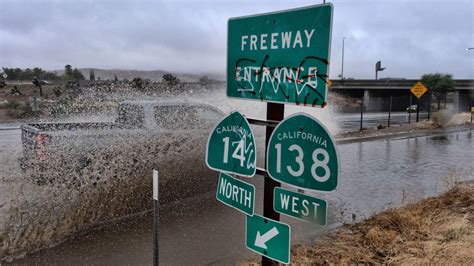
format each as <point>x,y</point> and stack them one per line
<point>342,67</point>
<point>378,67</point>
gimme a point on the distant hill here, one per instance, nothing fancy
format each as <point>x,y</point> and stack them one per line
<point>153,75</point>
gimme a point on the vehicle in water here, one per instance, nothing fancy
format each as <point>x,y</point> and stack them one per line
<point>412,108</point>
<point>120,156</point>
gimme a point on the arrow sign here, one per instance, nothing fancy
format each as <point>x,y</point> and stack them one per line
<point>260,240</point>
<point>268,237</point>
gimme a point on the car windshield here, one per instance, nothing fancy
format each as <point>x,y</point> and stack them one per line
<point>185,117</point>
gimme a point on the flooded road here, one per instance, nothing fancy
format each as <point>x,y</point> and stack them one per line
<point>376,175</point>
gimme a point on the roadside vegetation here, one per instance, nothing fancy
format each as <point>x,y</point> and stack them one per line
<point>439,85</point>
<point>437,230</point>
<point>76,96</point>
<point>39,73</point>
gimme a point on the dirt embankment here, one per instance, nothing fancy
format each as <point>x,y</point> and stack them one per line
<point>437,230</point>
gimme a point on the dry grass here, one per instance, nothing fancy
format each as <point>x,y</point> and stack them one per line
<point>436,230</point>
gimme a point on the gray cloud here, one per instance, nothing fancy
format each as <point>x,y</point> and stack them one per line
<point>410,37</point>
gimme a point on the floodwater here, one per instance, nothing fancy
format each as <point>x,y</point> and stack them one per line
<point>375,175</point>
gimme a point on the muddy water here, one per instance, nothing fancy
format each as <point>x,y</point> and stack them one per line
<point>375,176</point>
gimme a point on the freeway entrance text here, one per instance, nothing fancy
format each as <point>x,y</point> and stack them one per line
<point>280,56</point>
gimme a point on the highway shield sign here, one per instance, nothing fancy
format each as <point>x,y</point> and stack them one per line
<point>280,56</point>
<point>268,237</point>
<point>300,206</point>
<point>418,89</point>
<point>231,147</point>
<point>302,153</point>
<point>236,193</point>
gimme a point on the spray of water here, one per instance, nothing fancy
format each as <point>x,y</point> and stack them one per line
<point>97,172</point>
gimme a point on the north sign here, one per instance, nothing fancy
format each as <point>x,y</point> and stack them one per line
<point>268,237</point>
<point>418,89</point>
<point>231,146</point>
<point>300,206</point>
<point>302,153</point>
<point>236,193</point>
<point>281,56</point>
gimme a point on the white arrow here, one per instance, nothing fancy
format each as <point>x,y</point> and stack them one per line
<point>260,240</point>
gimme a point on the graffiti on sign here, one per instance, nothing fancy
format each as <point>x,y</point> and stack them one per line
<point>280,57</point>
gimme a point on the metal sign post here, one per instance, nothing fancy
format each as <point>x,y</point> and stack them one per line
<point>472,111</point>
<point>430,95</point>
<point>275,112</point>
<point>409,110</point>
<point>417,109</point>
<point>389,112</point>
<point>156,219</point>
<point>361,113</point>
<point>281,58</point>
<point>418,90</point>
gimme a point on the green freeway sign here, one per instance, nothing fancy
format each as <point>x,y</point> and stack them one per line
<point>300,206</point>
<point>236,193</point>
<point>231,147</point>
<point>268,237</point>
<point>281,56</point>
<point>302,153</point>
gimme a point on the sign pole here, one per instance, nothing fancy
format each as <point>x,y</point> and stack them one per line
<point>389,112</point>
<point>361,113</point>
<point>276,112</point>
<point>429,104</point>
<point>417,109</point>
<point>156,219</point>
<point>409,111</point>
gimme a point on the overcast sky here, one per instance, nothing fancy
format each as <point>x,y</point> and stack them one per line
<point>409,37</point>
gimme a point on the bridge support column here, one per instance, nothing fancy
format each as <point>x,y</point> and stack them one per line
<point>456,102</point>
<point>372,103</point>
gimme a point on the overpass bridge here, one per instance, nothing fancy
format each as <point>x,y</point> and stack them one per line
<point>376,93</point>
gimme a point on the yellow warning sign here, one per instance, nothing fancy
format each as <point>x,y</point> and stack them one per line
<point>472,109</point>
<point>329,83</point>
<point>418,90</point>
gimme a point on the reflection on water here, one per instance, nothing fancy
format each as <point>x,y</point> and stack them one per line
<point>375,176</point>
